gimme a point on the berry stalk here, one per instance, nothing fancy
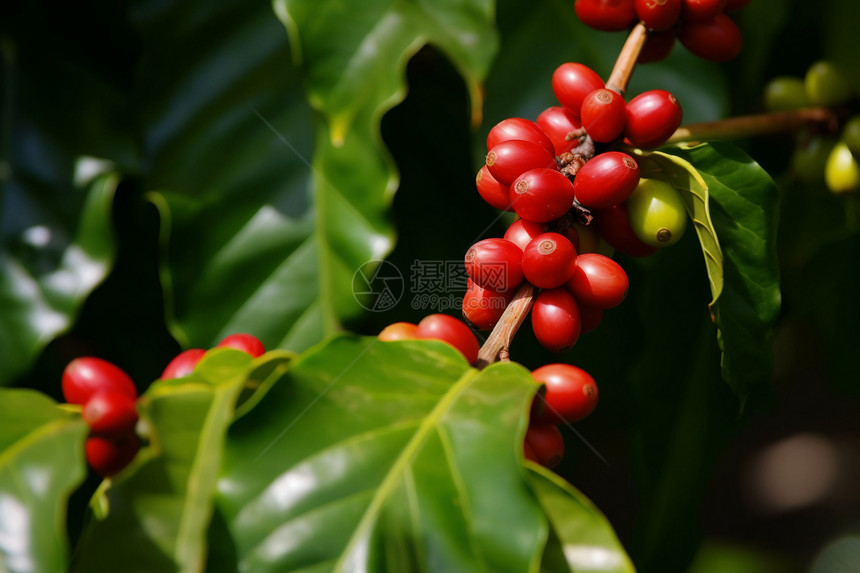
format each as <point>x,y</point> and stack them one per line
<point>626,62</point>
<point>755,125</point>
<point>500,339</point>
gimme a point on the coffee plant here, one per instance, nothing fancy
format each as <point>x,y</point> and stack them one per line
<point>429,286</point>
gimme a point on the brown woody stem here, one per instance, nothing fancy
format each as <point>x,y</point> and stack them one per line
<point>753,125</point>
<point>627,59</point>
<point>499,342</point>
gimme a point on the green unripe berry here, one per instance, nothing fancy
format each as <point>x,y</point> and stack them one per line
<point>785,93</point>
<point>657,213</point>
<point>810,157</point>
<point>851,135</point>
<point>826,84</point>
<point>842,172</point>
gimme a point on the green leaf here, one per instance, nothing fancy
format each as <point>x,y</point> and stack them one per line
<point>581,540</point>
<point>257,236</point>
<point>744,205</point>
<point>154,515</point>
<point>383,457</point>
<point>49,266</point>
<point>694,191</point>
<point>41,464</point>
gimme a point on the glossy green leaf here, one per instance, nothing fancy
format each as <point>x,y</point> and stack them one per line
<point>49,264</point>
<point>41,463</point>
<point>744,205</point>
<point>694,191</point>
<point>263,229</point>
<point>154,515</point>
<point>372,456</point>
<point>581,539</point>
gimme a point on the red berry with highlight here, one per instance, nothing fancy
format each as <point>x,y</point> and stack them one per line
<point>519,128</point>
<point>183,364</point>
<point>521,232</point>
<point>606,15</point>
<point>604,114</point>
<point>606,179</point>
<point>598,281</point>
<point>700,10</point>
<point>451,330</point>
<point>571,82</point>
<point>717,39</point>
<point>558,123</point>
<point>110,413</point>
<point>571,393</point>
<point>496,264</point>
<point>652,117</point>
<point>510,159</point>
<point>541,195</point>
<point>87,375</point>
<point>482,308</point>
<point>398,331</point>
<point>245,342</point>
<point>555,320</point>
<point>658,14</point>
<point>549,260</point>
<point>495,193</point>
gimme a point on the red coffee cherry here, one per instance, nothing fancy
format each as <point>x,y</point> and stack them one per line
<point>87,375</point>
<point>701,10</point>
<point>604,114</point>
<point>613,224</point>
<point>183,364</point>
<point>482,308</point>
<point>108,456</point>
<point>571,82</point>
<point>521,232</point>
<point>736,4</point>
<point>717,39</point>
<point>606,15</point>
<point>658,15</point>
<point>454,332</point>
<point>558,122</point>
<point>657,46</point>
<point>496,264</point>
<point>398,331</point>
<point>571,394</point>
<point>549,260</point>
<point>541,195</point>
<point>519,128</point>
<point>545,444</point>
<point>598,281</point>
<point>111,414</point>
<point>491,191</point>
<point>591,317</point>
<point>510,159</point>
<point>245,342</point>
<point>652,117</point>
<point>555,320</point>
<point>606,179</point>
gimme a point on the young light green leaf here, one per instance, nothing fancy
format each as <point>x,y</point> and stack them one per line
<point>377,456</point>
<point>41,464</point>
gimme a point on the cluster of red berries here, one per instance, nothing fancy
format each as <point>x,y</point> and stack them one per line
<point>108,397</point>
<point>570,392</point>
<point>550,174</point>
<point>702,26</point>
